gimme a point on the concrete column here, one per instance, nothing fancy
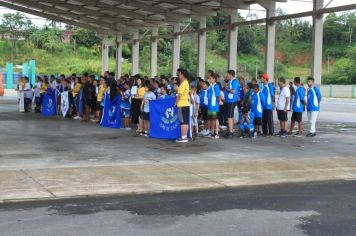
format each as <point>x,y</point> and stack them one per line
<point>105,54</point>
<point>270,39</point>
<point>202,47</point>
<point>118,55</point>
<point>154,41</point>
<point>176,49</point>
<point>233,34</point>
<point>316,70</point>
<point>135,53</point>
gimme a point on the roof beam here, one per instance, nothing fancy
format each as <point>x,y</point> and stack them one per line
<point>55,18</point>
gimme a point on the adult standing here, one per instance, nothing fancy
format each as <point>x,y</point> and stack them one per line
<point>232,88</point>
<point>182,102</point>
<point>313,107</point>
<point>283,106</point>
<point>137,96</point>
<point>267,117</point>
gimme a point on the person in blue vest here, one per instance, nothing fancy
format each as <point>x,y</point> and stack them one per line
<point>214,98</point>
<point>203,95</point>
<point>246,122</point>
<point>232,89</point>
<point>313,105</point>
<point>267,116</point>
<point>298,107</point>
<point>257,104</point>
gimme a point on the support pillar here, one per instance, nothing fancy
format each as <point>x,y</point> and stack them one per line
<point>270,39</point>
<point>233,34</point>
<point>176,49</point>
<point>202,47</point>
<point>105,54</point>
<point>316,70</point>
<point>118,70</point>
<point>135,53</point>
<point>154,42</point>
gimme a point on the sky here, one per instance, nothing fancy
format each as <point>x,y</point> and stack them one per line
<point>293,6</point>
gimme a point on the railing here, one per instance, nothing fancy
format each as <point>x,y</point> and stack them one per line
<point>339,91</point>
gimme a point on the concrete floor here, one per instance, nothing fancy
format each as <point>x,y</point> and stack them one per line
<point>53,157</point>
<point>315,209</point>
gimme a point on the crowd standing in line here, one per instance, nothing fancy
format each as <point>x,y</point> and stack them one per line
<point>207,103</point>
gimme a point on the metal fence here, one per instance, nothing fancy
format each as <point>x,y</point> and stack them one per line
<point>339,91</point>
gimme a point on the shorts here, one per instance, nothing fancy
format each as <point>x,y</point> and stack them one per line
<point>257,121</point>
<point>146,116</point>
<point>183,115</point>
<point>193,121</point>
<point>297,116</point>
<point>98,105</point>
<point>245,128</point>
<point>282,115</point>
<point>212,115</point>
<point>229,109</point>
<point>204,113</point>
<point>126,113</point>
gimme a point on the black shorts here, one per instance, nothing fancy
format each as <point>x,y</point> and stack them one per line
<point>297,116</point>
<point>183,115</point>
<point>257,121</point>
<point>282,115</point>
<point>229,109</point>
<point>204,113</point>
<point>146,116</point>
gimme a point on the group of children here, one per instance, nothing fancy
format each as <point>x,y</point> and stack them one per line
<point>214,104</point>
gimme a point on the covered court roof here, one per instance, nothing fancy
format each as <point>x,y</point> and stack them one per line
<point>111,16</point>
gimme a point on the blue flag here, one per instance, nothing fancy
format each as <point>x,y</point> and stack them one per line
<point>112,113</point>
<point>49,104</point>
<point>164,122</point>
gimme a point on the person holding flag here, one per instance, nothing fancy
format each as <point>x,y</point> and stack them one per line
<point>182,102</point>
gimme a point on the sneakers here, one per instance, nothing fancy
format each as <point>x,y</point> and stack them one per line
<point>182,140</point>
<point>223,127</point>
<point>145,134</point>
<point>311,135</point>
<point>209,135</point>
<point>76,117</point>
<point>127,128</point>
<point>215,136</point>
<point>204,132</point>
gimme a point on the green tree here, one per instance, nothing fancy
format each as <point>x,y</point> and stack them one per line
<point>16,25</point>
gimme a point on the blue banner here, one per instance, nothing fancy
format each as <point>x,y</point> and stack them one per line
<point>49,104</point>
<point>112,113</point>
<point>164,122</point>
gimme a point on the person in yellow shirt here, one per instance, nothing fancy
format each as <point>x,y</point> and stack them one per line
<point>136,102</point>
<point>182,102</point>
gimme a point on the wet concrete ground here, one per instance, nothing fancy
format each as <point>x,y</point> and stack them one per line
<point>277,210</point>
<point>33,141</point>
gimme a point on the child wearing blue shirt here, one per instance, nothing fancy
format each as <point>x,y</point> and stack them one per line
<point>298,107</point>
<point>231,98</point>
<point>267,117</point>
<point>246,122</point>
<point>257,104</point>
<point>313,105</point>
<point>203,95</point>
<point>164,94</point>
<point>214,98</point>
<point>126,105</point>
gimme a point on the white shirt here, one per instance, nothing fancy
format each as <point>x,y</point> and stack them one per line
<point>285,93</point>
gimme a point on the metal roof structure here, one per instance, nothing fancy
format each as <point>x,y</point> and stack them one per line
<point>111,16</point>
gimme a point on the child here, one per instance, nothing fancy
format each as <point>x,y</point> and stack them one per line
<point>164,94</point>
<point>194,111</point>
<point>214,98</point>
<point>203,95</point>
<point>145,107</point>
<point>246,123</point>
<point>175,90</point>
<point>298,107</point>
<point>37,91</point>
<point>99,98</point>
<point>126,104</point>
<point>283,106</point>
<point>28,95</point>
<point>257,104</point>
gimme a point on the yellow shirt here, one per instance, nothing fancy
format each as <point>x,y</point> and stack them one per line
<point>101,93</point>
<point>141,92</point>
<point>183,92</point>
<point>43,88</point>
<point>76,89</point>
